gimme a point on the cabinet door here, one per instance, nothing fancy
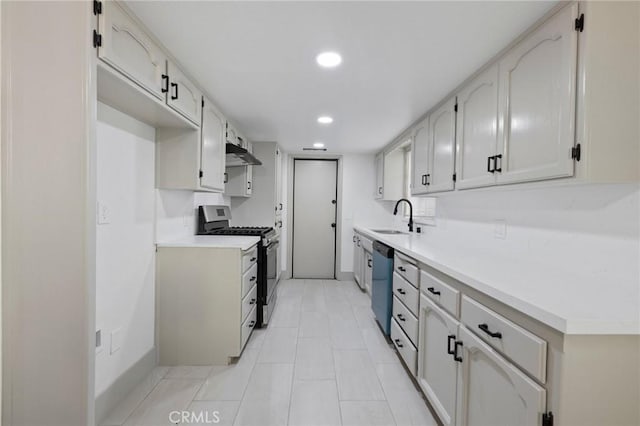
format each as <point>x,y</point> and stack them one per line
<point>477,131</point>
<point>279,206</point>
<point>537,103</point>
<point>368,271</point>
<point>249,172</point>
<point>437,369</point>
<point>128,49</point>
<point>213,148</point>
<point>183,95</point>
<point>442,139</point>
<point>420,158</point>
<point>492,391</point>
<point>379,176</point>
<point>357,261</point>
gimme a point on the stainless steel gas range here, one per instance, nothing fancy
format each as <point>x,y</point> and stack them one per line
<point>214,220</point>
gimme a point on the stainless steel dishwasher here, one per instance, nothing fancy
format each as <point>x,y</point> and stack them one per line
<point>382,285</point>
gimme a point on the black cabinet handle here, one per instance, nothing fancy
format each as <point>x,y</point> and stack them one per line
<point>248,185</point>
<point>402,269</point>
<point>358,242</point>
<point>399,343</point>
<point>401,291</point>
<point>369,263</point>
<point>226,178</point>
<point>455,351</point>
<point>333,225</point>
<point>175,96</point>
<point>165,83</point>
<point>433,291</point>
<point>450,338</point>
<point>495,163</point>
<point>280,206</point>
<point>428,176</point>
<point>401,318</point>
<point>354,238</point>
<point>252,301</point>
<point>253,259</point>
<point>489,168</point>
<point>424,180</point>
<point>380,190</point>
<point>494,334</point>
<point>252,279</point>
<point>251,324</point>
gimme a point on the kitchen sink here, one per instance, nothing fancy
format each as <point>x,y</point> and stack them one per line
<point>388,231</point>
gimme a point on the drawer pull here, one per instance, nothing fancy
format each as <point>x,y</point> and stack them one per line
<point>253,259</point>
<point>251,324</point>
<point>252,278</point>
<point>399,343</point>
<point>402,269</point>
<point>485,328</point>
<point>432,290</point>
<point>252,301</point>
<point>401,317</point>
<point>401,291</point>
<point>455,351</point>
<point>450,338</point>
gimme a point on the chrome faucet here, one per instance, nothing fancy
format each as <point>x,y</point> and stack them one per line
<point>395,212</point>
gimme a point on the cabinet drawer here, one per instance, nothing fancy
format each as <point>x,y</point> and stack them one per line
<point>525,349</point>
<point>407,351</point>
<point>249,257</point>
<point>249,279</point>
<point>249,302</point>
<point>406,320</point>
<point>407,294</point>
<point>406,267</point>
<point>247,327</point>
<point>445,295</point>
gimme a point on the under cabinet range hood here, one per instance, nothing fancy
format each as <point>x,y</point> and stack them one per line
<point>238,156</point>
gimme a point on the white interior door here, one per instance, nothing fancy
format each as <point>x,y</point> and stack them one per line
<point>314,218</point>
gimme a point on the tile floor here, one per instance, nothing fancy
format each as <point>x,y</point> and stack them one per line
<point>321,361</point>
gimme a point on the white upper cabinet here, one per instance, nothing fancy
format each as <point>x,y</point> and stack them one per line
<point>278,182</point>
<point>239,178</point>
<point>213,148</point>
<point>126,47</point>
<point>183,96</point>
<point>477,131</point>
<point>537,103</point>
<point>379,176</point>
<point>492,391</point>
<point>442,135</point>
<point>420,158</point>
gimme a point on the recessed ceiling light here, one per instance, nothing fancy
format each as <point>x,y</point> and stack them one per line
<point>329,59</point>
<point>318,145</point>
<point>325,119</point>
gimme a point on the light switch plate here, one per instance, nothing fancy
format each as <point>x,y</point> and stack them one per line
<point>104,213</point>
<point>500,229</point>
<point>116,340</point>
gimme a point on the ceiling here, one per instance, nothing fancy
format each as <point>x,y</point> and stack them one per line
<point>257,61</point>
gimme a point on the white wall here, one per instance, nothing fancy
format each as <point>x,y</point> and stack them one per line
<point>358,205</point>
<point>125,275</point>
<point>585,228</point>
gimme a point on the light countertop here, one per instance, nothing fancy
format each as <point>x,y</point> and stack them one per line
<point>212,241</point>
<point>570,301</point>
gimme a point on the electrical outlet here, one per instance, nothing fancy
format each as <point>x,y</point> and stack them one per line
<point>500,229</point>
<point>104,213</point>
<point>116,340</point>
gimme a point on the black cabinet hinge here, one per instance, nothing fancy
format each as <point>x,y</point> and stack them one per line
<point>97,39</point>
<point>455,175</point>
<point>575,152</point>
<point>580,23</point>
<point>97,7</point>
<point>547,419</point>
<point>455,108</point>
<point>201,174</point>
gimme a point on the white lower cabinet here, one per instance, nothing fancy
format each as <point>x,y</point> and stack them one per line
<point>368,271</point>
<point>437,369</point>
<point>357,260</point>
<point>491,390</point>
<point>467,382</point>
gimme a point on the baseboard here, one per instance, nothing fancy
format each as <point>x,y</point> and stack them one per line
<point>344,276</point>
<point>123,385</point>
